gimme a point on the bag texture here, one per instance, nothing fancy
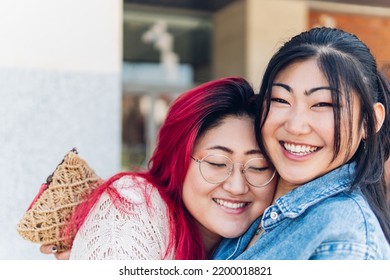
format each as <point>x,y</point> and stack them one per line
<point>66,188</point>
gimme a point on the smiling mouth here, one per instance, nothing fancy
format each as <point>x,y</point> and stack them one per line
<point>299,150</point>
<point>229,204</point>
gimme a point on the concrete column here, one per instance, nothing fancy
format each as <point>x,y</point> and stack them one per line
<point>60,87</point>
<point>230,40</point>
<point>251,31</point>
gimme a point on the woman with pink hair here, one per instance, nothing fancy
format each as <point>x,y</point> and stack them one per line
<point>207,179</point>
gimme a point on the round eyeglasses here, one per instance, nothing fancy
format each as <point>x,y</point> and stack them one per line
<point>215,169</point>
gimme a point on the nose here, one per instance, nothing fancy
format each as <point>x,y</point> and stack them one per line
<point>298,121</point>
<point>236,184</point>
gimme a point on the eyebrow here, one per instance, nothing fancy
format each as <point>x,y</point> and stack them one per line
<point>307,93</point>
<point>230,151</point>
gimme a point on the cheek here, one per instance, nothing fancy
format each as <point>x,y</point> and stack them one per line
<point>192,185</point>
<point>188,182</point>
<point>265,195</point>
<point>266,133</point>
<point>325,128</point>
<point>275,118</point>
<point>350,138</point>
<point>195,193</point>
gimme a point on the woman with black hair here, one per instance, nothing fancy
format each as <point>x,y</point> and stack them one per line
<point>324,122</point>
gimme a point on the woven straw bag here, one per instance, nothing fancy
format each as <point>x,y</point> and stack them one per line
<point>67,187</point>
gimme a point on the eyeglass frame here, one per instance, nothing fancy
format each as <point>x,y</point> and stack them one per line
<point>243,170</point>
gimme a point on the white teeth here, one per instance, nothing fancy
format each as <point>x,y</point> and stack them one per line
<point>227,204</point>
<point>300,150</point>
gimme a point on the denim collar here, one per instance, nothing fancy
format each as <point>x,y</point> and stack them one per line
<point>291,205</point>
<point>295,202</point>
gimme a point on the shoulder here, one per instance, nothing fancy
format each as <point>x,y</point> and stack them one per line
<point>135,226</point>
<point>344,205</point>
<point>345,210</point>
<point>135,189</point>
<point>350,226</point>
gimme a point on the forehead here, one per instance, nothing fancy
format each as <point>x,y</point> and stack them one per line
<point>306,74</point>
<point>302,74</point>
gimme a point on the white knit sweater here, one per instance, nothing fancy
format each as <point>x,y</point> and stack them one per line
<point>139,232</point>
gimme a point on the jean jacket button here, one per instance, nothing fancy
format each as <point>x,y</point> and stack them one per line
<point>274,215</point>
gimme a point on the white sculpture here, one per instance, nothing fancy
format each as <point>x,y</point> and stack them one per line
<point>163,41</point>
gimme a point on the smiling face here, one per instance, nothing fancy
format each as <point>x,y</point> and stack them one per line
<point>226,209</point>
<point>299,130</point>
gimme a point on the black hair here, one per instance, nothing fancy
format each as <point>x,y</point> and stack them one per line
<point>348,65</point>
<point>241,102</point>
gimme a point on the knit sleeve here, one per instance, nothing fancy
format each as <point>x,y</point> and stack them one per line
<point>136,231</point>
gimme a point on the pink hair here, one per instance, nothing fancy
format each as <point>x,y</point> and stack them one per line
<point>167,168</point>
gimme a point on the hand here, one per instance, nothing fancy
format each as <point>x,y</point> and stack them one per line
<point>51,249</point>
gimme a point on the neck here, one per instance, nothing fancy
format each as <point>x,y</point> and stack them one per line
<point>211,246</point>
<point>282,188</point>
<point>210,240</point>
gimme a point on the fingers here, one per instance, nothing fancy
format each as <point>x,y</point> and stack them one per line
<point>48,249</point>
<point>65,255</point>
<point>52,249</point>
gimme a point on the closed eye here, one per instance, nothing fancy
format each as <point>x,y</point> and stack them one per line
<point>216,165</point>
<point>257,169</point>
<point>279,100</point>
<point>323,104</point>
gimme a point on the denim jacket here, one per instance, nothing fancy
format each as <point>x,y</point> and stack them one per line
<point>322,219</point>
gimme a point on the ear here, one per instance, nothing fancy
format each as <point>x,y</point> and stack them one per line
<point>380,114</point>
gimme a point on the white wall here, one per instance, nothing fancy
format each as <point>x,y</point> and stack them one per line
<point>60,87</point>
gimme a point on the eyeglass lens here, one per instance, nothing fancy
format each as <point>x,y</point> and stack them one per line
<point>217,168</point>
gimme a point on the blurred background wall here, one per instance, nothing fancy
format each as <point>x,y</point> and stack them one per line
<point>60,65</point>
<point>100,75</point>
<point>212,39</point>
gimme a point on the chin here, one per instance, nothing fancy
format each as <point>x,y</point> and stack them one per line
<point>297,179</point>
<point>234,233</point>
